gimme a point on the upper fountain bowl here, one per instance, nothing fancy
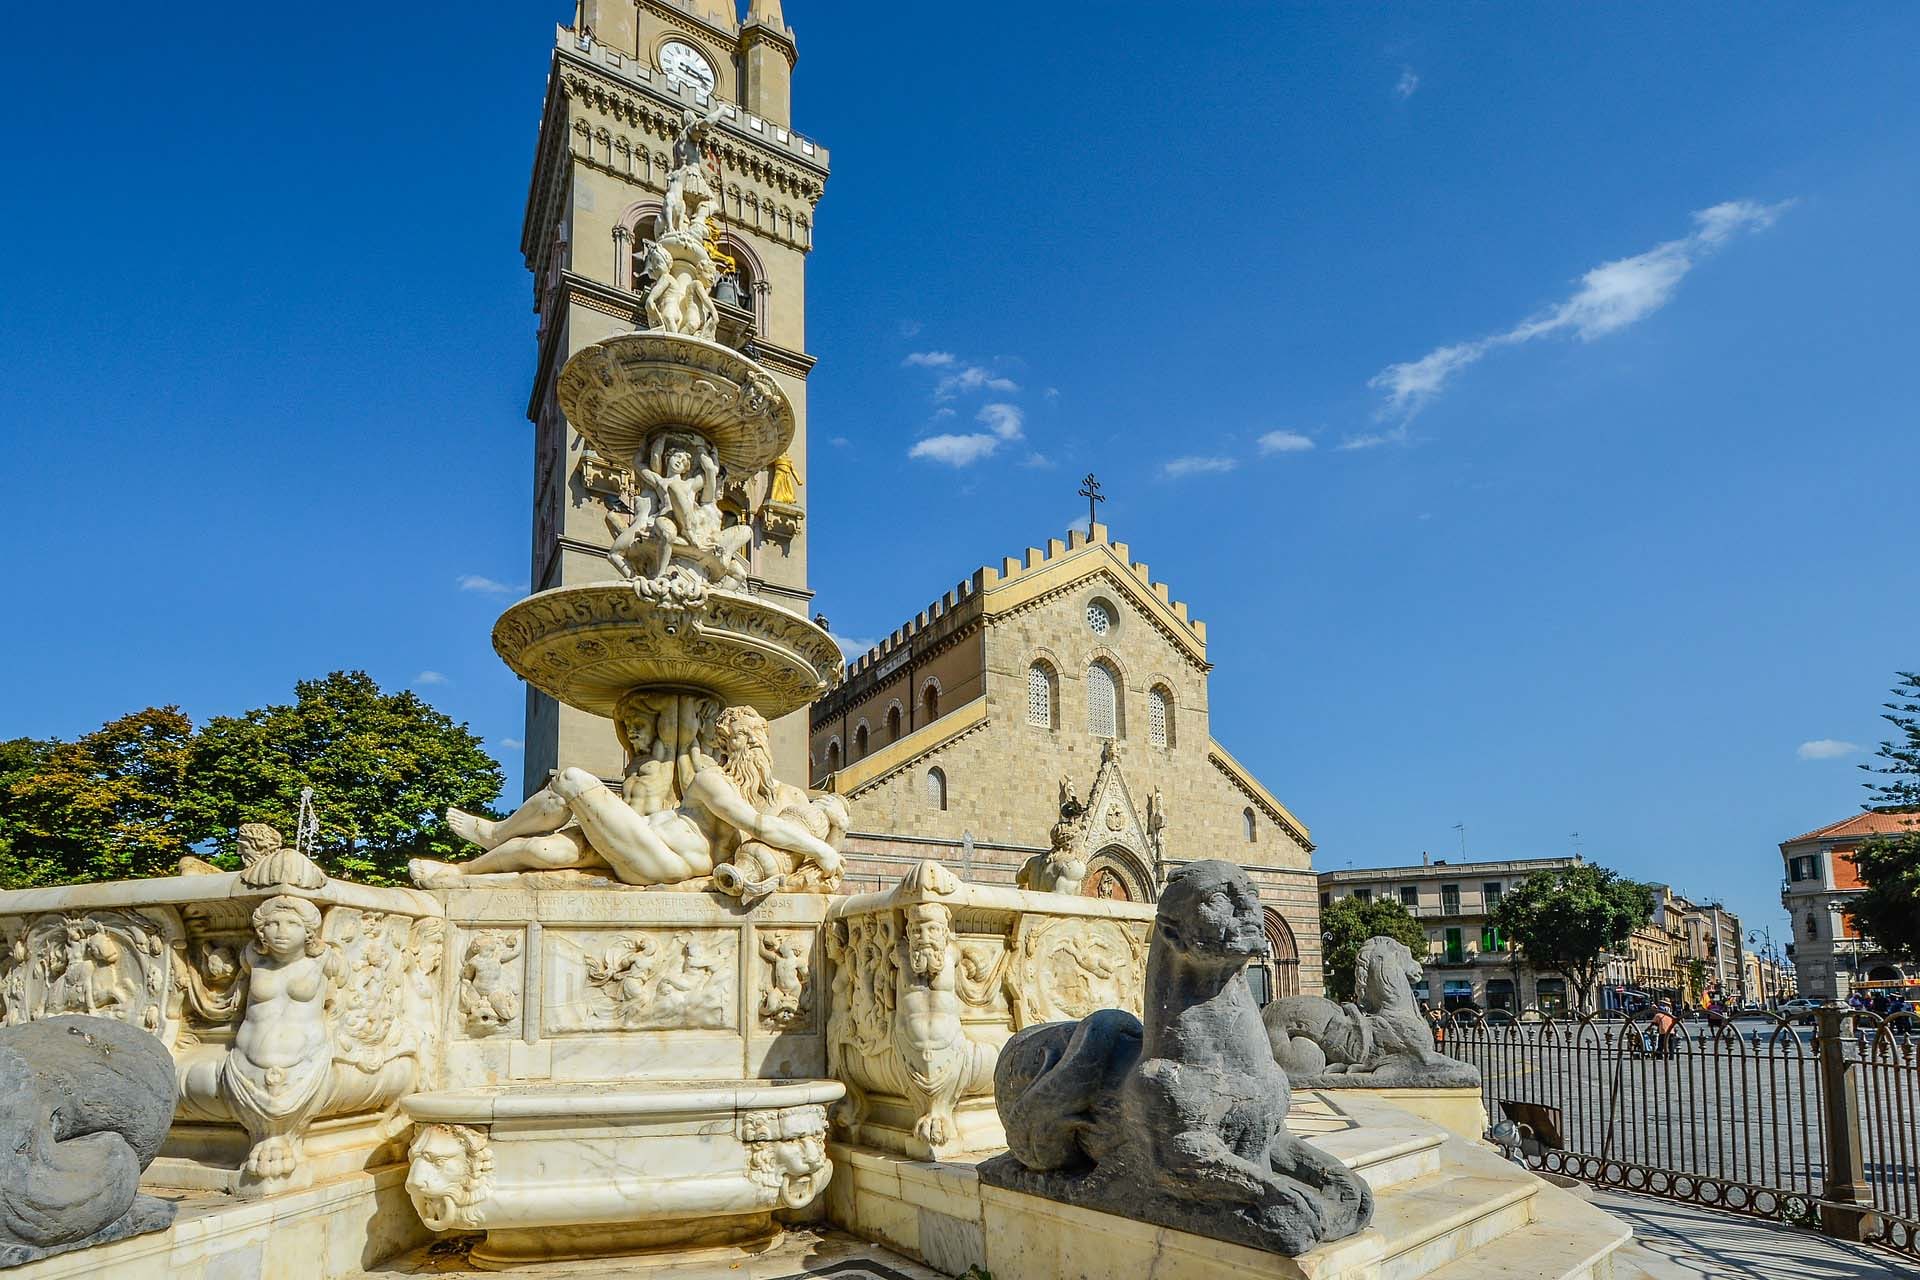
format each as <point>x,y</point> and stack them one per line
<point>621,390</point>
<point>592,644</point>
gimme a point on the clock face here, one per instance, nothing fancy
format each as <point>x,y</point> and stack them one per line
<point>682,62</point>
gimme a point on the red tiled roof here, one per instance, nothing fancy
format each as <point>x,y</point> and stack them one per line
<point>1861,824</point>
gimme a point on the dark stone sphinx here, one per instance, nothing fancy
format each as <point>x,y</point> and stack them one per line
<point>1378,1041</point>
<point>1180,1122</point>
<point>88,1102</point>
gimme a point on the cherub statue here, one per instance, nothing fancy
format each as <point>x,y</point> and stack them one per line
<point>784,998</point>
<point>678,515</point>
<point>276,1074</point>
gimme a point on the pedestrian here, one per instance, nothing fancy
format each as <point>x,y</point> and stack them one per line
<point>1439,1025</point>
<point>1665,1026</point>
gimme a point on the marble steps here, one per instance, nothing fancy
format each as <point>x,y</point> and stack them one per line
<point>1568,1239</point>
<point>1387,1155</point>
<point>1433,1220</point>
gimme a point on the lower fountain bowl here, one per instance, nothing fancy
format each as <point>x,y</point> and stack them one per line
<point>591,645</point>
<point>567,1171</point>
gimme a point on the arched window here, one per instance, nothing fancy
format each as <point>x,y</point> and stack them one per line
<point>1103,701</point>
<point>893,723</point>
<point>860,741</point>
<point>1247,825</point>
<point>937,788</point>
<point>1040,695</point>
<point>930,702</point>
<point>1159,717</point>
<point>833,756</point>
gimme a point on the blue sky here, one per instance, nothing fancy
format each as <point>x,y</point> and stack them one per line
<point>1522,394</point>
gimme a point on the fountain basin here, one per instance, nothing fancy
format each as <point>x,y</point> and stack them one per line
<point>590,645</point>
<point>618,392</point>
<point>564,1171</point>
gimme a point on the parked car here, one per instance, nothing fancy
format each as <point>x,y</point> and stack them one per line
<point>1799,1009</point>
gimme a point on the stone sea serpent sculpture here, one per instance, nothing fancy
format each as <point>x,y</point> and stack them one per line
<point>1177,1119</point>
<point>1379,1041</point>
<point>88,1102</point>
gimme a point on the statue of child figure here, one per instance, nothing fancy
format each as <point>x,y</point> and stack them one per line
<point>276,1075</point>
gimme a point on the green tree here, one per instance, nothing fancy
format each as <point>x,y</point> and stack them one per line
<point>1568,918</point>
<point>383,768</point>
<point>1347,924</point>
<point>1888,910</point>
<point>103,807</point>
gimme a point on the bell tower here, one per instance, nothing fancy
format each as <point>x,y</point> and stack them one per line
<point>620,82</point>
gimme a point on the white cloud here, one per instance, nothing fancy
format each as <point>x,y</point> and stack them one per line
<point>910,328</point>
<point>1079,524</point>
<point>1826,749</point>
<point>1405,86</point>
<point>512,744</point>
<point>1195,465</point>
<point>474,582</point>
<point>955,450</point>
<point>1373,439</point>
<point>1037,461</point>
<point>972,378</point>
<point>1285,442</point>
<point>430,677</point>
<point>1004,420</point>
<point>929,359</point>
<point>839,442</point>
<point>850,647</point>
<point>1611,297</point>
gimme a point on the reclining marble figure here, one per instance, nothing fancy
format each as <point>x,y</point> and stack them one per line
<point>88,1102</point>
<point>1380,1042</point>
<point>1180,1122</point>
<point>735,821</point>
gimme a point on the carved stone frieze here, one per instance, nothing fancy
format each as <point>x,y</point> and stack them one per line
<point>646,980</point>
<point>1065,967</point>
<point>109,963</point>
<point>490,981</point>
<point>786,979</point>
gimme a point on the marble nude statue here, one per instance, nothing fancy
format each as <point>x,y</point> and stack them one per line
<point>1379,1042</point>
<point>273,1079</point>
<point>88,1103</point>
<point>942,1063</point>
<point>678,543</point>
<point>1177,1119</point>
<point>680,262</point>
<point>735,822</point>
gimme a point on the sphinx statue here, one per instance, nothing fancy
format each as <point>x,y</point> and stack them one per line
<point>1379,1042</point>
<point>89,1101</point>
<point>1178,1120</point>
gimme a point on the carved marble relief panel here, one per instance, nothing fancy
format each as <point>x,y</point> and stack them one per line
<point>1065,967</point>
<point>784,981</point>
<point>110,963</point>
<point>492,977</point>
<point>640,980</point>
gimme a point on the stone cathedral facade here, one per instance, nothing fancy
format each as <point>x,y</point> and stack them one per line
<point>617,93</point>
<point>1067,675</point>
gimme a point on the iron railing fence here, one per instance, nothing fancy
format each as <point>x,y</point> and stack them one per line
<point>1815,1125</point>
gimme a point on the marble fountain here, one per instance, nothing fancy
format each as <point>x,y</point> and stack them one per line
<point>641,1022</point>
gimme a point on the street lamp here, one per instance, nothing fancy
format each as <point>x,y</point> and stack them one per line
<point>1769,978</point>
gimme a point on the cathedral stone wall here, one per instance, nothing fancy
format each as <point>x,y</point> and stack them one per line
<point>1001,772</point>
